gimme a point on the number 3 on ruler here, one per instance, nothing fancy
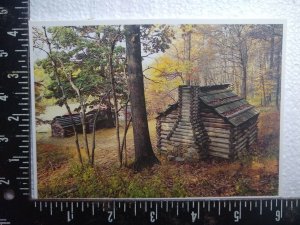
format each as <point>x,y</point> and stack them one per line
<point>3,138</point>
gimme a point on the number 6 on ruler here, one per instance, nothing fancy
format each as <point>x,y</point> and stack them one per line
<point>278,215</point>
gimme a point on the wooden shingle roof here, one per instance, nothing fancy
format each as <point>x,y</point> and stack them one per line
<point>228,105</point>
<point>224,102</point>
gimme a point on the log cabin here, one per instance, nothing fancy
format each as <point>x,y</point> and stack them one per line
<point>207,121</point>
<point>61,126</point>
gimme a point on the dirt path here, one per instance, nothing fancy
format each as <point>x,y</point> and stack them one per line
<point>106,153</point>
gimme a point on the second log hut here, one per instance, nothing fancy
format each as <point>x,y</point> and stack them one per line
<point>207,121</point>
<point>62,126</point>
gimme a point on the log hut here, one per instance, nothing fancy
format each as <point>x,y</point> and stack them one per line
<point>207,121</point>
<point>61,126</point>
<point>105,119</point>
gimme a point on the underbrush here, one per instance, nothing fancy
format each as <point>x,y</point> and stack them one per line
<point>50,157</point>
<point>60,174</point>
<point>89,182</point>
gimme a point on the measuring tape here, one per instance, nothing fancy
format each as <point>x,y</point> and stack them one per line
<point>16,206</point>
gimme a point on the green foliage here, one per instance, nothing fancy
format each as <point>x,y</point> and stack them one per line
<point>93,183</point>
<point>64,37</point>
<point>82,54</point>
<point>89,182</point>
<point>242,187</point>
<point>85,180</point>
<point>156,38</point>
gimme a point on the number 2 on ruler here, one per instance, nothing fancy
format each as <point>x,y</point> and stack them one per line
<point>4,181</point>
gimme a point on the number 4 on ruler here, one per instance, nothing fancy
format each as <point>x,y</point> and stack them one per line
<point>194,216</point>
<point>3,97</point>
<point>12,33</point>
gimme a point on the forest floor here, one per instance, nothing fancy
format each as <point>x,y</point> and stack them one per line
<point>59,173</point>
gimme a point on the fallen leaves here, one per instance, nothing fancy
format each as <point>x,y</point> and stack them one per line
<point>256,174</point>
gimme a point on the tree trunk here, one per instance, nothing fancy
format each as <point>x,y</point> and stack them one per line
<point>82,115</point>
<point>187,55</point>
<point>124,144</point>
<point>278,76</point>
<point>94,136</point>
<point>124,147</point>
<point>262,80</point>
<point>64,97</point>
<point>69,111</point>
<point>244,64</point>
<point>244,81</point>
<point>109,111</point>
<point>272,47</point>
<point>278,86</point>
<point>94,128</point>
<point>144,155</point>
<point>114,94</point>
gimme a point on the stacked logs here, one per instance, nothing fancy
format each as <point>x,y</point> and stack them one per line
<point>104,119</point>
<point>188,130</point>
<point>164,126</point>
<point>209,120</point>
<point>197,123</point>
<point>62,126</point>
<point>243,137</point>
<point>219,132</point>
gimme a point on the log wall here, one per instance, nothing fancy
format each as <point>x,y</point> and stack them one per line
<point>193,129</point>
<point>218,131</point>
<point>243,137</point>
<point>61,126</point>
<point>164,126</point>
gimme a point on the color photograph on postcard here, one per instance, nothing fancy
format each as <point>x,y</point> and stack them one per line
<point>157,110</point>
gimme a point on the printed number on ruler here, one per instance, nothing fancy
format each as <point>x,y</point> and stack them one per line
<point>3,11</point>
<point>3,54</point>
<point>3,138</point>
<point>4,181</point>
<point>3,97</point>
<point>12,33</point>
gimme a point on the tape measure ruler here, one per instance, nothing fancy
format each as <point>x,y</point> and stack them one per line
<point>16,205</point>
